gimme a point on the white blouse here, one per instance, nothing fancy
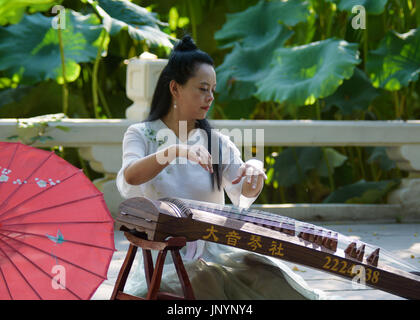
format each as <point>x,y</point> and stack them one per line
<point>181,178</point>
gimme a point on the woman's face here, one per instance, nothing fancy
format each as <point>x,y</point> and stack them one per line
<point>195,97</point>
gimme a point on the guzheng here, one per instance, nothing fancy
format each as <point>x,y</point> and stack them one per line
<point>272,235</point>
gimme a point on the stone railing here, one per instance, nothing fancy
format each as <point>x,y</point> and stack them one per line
<point>99,142</point>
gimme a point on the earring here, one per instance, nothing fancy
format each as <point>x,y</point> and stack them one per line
<point>174,105</point>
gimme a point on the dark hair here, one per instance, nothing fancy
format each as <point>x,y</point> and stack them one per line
<point>182,64</point>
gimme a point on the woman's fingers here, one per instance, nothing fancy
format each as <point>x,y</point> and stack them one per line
<point>201,156</point>
<point>252,176</point>
<point>205,159</point>
<point>241,173</point>
<point>261,173</point>
<point>251,173</point>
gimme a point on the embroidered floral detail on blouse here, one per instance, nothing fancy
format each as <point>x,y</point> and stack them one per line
<point>151,135</point>
<point>153,188</point>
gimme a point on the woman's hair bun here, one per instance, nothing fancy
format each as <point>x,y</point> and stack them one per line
<point>185,44</point>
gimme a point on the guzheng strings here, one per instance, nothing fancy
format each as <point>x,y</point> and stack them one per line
<point>295,227</point>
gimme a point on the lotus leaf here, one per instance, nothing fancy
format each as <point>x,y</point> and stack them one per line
<point>140,23</point>
<point>13,95</point>
<point>362,192</point>
<point>260,23</point>
<point>335,159</point>
<point>396,62</point>
<point>13,11</point>
<point>246,65</point>
<point>302,74</point>
<point>292,165</point>
<point>379,155</point>
<point>354,94</point>
<point>35,35</point>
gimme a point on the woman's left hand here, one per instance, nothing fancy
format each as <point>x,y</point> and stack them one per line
<point>253,169</point>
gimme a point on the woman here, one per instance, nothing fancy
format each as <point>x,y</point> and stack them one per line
<point>173,154</point>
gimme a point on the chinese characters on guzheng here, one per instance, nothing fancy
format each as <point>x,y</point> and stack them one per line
<point>271,235</point>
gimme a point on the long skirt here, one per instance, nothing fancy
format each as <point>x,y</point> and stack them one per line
<point>219,272</point>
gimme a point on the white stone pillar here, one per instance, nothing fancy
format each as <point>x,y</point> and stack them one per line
<point>407,157</point>
<point>107,160</point>
<point>142,76</point>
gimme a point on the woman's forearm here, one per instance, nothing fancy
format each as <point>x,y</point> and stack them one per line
<point>150,166</point>
<point>252,189</point>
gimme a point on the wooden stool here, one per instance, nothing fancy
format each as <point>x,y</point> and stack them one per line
<point>153,274</point>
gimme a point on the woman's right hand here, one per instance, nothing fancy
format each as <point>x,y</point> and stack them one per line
<point>197,154</point>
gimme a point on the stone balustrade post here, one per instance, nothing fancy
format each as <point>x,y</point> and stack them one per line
<point>407,157</point>
<point>142,76</point>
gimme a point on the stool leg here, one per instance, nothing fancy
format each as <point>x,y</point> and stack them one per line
<point>157,276</point>
<point>148,266</point>
<point>182,275</point>
<point>125,270</point>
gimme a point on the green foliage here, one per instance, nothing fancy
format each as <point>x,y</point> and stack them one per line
<point>292,166</point>
<point>30,48</point>
<point>336,72</point>
<point>300,75</point>
<point>45,97</point>
<point>378,155</point>
<point>260,23</point>
<point>362,192</point>
<point>78,70</point>
<point>296,59</point>
<point>371,6</point>
<point>139,23</point>
<point>256,30</point>
<point>334,160</point>
<point>396,62</point>
<point>243,69</point>
<point>86,56</point>
<point>38,128</point>
<point>13,11</point>
<point>355,94</point>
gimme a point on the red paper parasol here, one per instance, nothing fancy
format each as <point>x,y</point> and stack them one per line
<point>56,232</point>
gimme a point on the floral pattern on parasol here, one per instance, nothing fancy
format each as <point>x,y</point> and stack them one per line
<point>56,232</point>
